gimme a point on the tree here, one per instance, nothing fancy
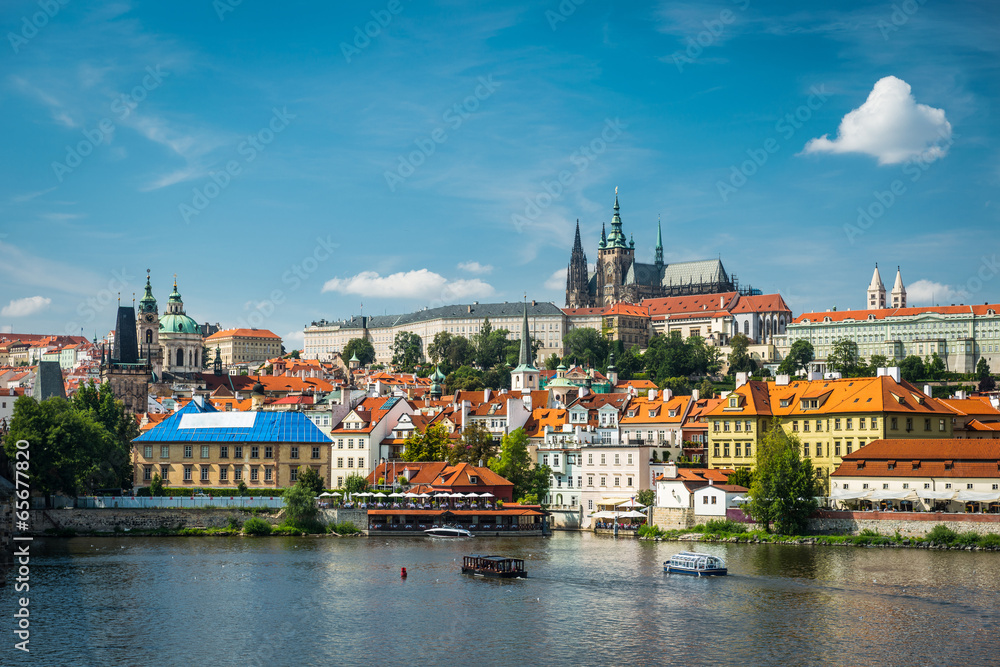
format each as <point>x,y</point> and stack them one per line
<point>679,386</point>
<point>706,359</point>
<point>741,477</point>
<point>70,452</point>
<point>740,360</point>
<point>206,357</point>
<point>407,350</point>
<point>646,497</point>
<point>586,346</point>
<point>294,354</point>
<point>310,479</point>
<point>105,409</point>
<point>465,378</point>
<point>513,350</point>
<point>300,506</point>
<point>668,356</point>
<point>843,358</point>
<point>876,362</point>
<point>628,360</point>
<point>934,368</point>
<point>798,358</point>
<point>514,464</point>
<point>431,445</point>
<point>361,348</point>
<point>986,381</point>
<point>912,369</point>
<point>241,488</point>
<point>552,362</point>
<point>477,444</point>
<point>156,486</point>
<point>706,389</point>
<point>783,487</point>
<point>490,345</point>
<point>355,484</point>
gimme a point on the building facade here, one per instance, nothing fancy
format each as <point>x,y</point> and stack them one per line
<point>244,346</point>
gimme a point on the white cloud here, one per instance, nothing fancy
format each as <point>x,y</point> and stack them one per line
<point>26,306</point>
<point>890,126</point>
<point>419,284</point>
<point>926,292</point>
<point>475,267</point>
<point>294,339</point>
<point>557,281</point>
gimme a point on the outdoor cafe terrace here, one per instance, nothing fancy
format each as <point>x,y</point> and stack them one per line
<point>509,519</point>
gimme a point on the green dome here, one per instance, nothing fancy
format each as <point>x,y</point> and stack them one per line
<point>174,323</point>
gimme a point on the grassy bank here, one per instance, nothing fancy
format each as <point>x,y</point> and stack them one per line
<point>940,537</point>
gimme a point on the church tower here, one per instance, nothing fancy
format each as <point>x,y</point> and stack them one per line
<point>148,329</point>
<point>876,291</point>
<point>577,276</point>
<point>123,368</point>
<point>898,292</point>
<point>614,257</point>
<point>524,378</point>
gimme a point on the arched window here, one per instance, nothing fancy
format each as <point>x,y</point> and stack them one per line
<point>149,335</point>
<point>180,357</point>
<point>767,329</point>
<point>746,327</point>
<point>196,354</point>
<point>190,357</point>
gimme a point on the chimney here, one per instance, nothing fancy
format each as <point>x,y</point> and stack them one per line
<point>695,394</point>
<point>667,395</point>
<point>741,379</point>
<point>893,372</point>
<point>722,302</point>
<point>486,395</point>
<point>928,391</point>
<point>782,380</point>
<point>711,482</point>
<point>651,395</point>
<point>670,470</point>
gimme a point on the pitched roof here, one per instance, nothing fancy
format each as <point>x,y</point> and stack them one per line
<point>203,423</point>
<point>760,303</point>
<point>702,304</point>
<point>243,333</point>
<point>456,311</point>
<point>923,458</point>
<point>884,313</point>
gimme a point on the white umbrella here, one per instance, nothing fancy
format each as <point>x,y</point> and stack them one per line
<point>334,494</point>
<point>396,495</point>
<point>411,494</point>
<point>326,494</point>
<point>486,495</point>
<point>631,503</point>
<point>380,493</point>
<point>740,499</point>
<point>441,495</point>
<point>604,514</point>
<point>632,515</point>
<point>472,495</point>
<point>456,495</point>
<point>423,495</point>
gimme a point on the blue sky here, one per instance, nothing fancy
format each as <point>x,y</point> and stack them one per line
<point>288,167</point>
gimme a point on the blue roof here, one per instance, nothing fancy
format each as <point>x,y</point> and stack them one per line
<point>197,423</point>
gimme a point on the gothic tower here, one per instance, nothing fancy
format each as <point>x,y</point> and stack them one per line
<point>148,329</point>
<point>658,257</point>
<point>577,276</point>
<point>898,292</point>
<point>124,368</point>
<point>876,291</point>
<point>614,257</point>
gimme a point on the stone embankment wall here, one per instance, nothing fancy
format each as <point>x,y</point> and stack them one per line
<point>669,518</point>
<point>908,524</point>
<point>564,519</point>
<point>108,520</point>
<point>358,517</point>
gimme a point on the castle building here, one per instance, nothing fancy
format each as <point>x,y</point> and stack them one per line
<point>618,277</point>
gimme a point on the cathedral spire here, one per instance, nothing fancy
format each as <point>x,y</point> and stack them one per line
<point>658,256</point>
<point>576,242</point>
<point>616,239</point>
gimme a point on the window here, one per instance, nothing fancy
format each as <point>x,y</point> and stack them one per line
<point>253,474</point>
<point>147,451</point>
<point>294,453</point>
<point>569,481</point>
<point>836,424</point>
<point>927,485</point>
<point>885,486</point>
<point>893,424</point>
<point>340,482</point>
<point>590,480</point>
<point>590,459</point>
<point>747,426</point>
<point>909,424</point>
<point>187,451</point>
<point>315,452</point>
<point>850,423</point>
<point>147,473</point>
<point>545,459</point>
<point>725,426</point>
<point>268,472</point>
<point>618,481</point>
<point>968,486</point>
<point>604,459</point>
<point>749,453</point>
<point>629,459</point>
<point>836,448</point>
<point>805,425</point>
<point>204,473</point>
<point>927,424</point>
<point>716,450</point>
<point>795,425</point>
<point>704,500</point>
<point>164,451</point>
<point>947,486</point>
<point>874,422</point>
<point>187,473</point>
<point>224,452</point>
<point>340,462</point>
<point>905,485</point>
<point>590,504</point>
<point>713,500</point>
<point>237,474</point>
<point>850,445</point>
<point>350,462</point>
<point>725,450</point>
<point>579,481</point>
<point>255,452</point>
<point>819,425</point>
<point>340,443</point>
<point>941,425</point>
<point>738,424</point>
<point>204,451</point>
<point>350,443</point>
<point>846,487</point>
<point>715,426</point>
<point>739,450</point>
<point>861,423</point>
<point>555,459</point>
<point>223,474</point>
<point>238,451</point>
<point>269,452</point>
<point>604,481</point>
<point>805,449</point>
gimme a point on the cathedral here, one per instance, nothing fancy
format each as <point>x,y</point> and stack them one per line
<point>619,278</point>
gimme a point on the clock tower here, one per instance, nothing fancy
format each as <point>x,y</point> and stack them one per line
<point>614,257</point>
<point>148,330</point>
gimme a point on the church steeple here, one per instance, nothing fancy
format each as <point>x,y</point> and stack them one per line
<point>148,302</point>
<point>525,376</point>
<point>658,256</point>
<point>616,239</point>
<point>898,291</point>
<point>577,275</point>
<point>876,291</point>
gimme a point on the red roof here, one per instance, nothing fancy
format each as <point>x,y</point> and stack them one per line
<point>243,333</point>
<point>761,303</point>
<point>704,304</point>
<point>923,458</point>
<point>883,313</point>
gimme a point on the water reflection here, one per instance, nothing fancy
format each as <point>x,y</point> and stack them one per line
<point>588,599</point>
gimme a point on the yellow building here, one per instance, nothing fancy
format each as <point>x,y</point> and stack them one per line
<point>241,346</point>
<point>831,418</point>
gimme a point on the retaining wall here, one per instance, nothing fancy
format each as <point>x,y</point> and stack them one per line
<point>909,524</point>
<point>565,519</point>
<point>107,520</point>
<point>669,518</point>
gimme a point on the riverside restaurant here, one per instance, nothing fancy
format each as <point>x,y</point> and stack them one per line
<point>521,520</point>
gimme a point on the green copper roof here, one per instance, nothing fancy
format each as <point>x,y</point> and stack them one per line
<point>179,324</point>
<point>354,357</point>
<point>147,304</point>
<point>175,296</point>
<point>437,375</point>
<point>616,239</point>
<point>524,359</point>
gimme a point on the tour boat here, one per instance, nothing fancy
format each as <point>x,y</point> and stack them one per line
<point>494,566</point>
<point>446,531</point>
<point>691,562</point>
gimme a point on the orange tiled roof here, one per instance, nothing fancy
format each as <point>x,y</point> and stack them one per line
<point>243,333</point>
<point>923,458</point>
<point>629,309</point>
<point>761,303</point>
<point>702,304</point>
<point>642,406</point>
<point>883,313</point>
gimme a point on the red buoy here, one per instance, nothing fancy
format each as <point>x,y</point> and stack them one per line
<point>402,573</point>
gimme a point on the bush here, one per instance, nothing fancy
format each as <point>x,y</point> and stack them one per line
<point>345,528</point>
<point>991,541</point>
<point>234,523</point>
<point>968,539</point>
<point>721,526</point>
<point>256,526</point>
<point>650,530</point>
<point>941,534</point>
<point>868,532</point>
<point>142,492</point>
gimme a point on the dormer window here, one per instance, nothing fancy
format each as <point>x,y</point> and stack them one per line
<point>652,413</point>
<point>473,479</point>
<point>734,402</point>
<point>673,413</point>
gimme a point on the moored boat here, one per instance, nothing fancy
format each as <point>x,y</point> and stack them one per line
<point>448,531</point>
<point>494,566</point>
<point>692,562</point>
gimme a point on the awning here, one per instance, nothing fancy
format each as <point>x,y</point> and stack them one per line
<point>936,495</point>
<point>850,495</point>
<point>887,494</point>
<point>976,497</point>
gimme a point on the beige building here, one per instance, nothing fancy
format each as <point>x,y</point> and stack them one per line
<point>241,346</point>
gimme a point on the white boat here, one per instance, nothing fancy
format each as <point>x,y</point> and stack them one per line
<point>446,531</point>
<point>692,562</point>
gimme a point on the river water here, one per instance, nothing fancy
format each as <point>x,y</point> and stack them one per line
<point>589,599</point>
